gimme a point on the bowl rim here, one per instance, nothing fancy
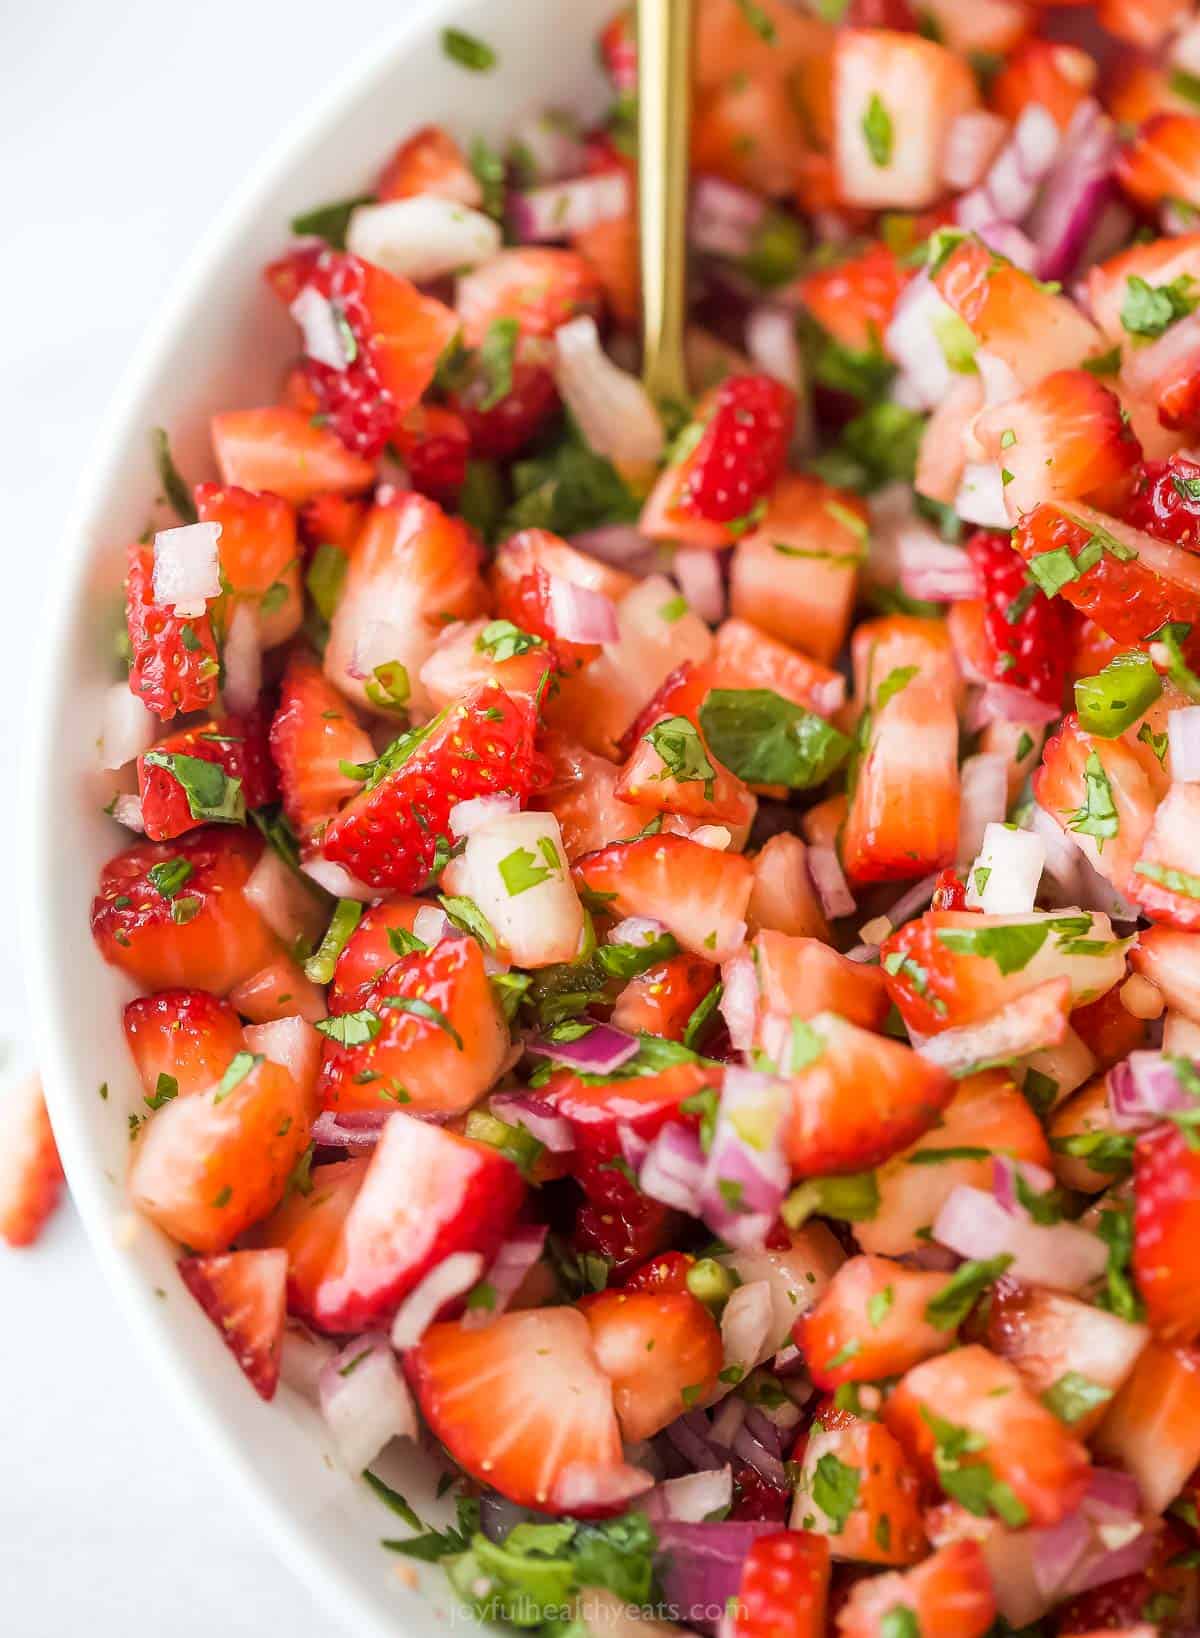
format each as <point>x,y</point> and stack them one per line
<point>340,1592</point>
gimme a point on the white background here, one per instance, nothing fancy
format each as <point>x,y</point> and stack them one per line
<point>124,124</point>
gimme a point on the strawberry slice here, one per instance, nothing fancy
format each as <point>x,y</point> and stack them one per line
<point>661,1000</point>
<point>540,287</point>
<point>1127,582</point>
<point>279,448</point>
<point>330,519</point>
<point>672,770</point>
<point>667,1273</point>
<point>1152,1429</point>
<point>1160,161</point>
<point>858,1489</point>
<point>472,652</point>
<point>1059,77</point>
<point>174,665</point>
<point>208,1166</point>
<point>1102,793</point>
<point>313,732</point>
<point>799,977</point>
<point>392,339</point>
<point>177,795</point>
<point>1026,633</point>
<point>854,300</point>
<point>243,1293</point>
<point>428,1035</point>
<point>1161,882</point>
<point>735,451</point>
<point>785,1585</point>
<point>523,1406</point>
<point>522,578</point>
<point>860,1098</point>
<point>581,794</point>
<point>949,1595</point>
<point>699,894</point>
<point>785,899</point>
<point>427,1193</point>
<point>1171,961</point>
<point>966,1417</point>
<point>1166,498</point>
<point>376,944</point>
<point>306,1226</point>
<point>31,1173</point>
<point>1166,1226</point>
<point>871,1322</point>
<point>393,833</point>
<point>260,564</point>
<point>164,926</point>
<point>747,657</point>
<point>182,1037</point>
<point>683,1338</point>
<point>430,161</point>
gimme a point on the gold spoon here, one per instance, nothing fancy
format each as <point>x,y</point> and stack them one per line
<point>664,50</point>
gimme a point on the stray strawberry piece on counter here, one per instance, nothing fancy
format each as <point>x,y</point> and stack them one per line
<point>31,1175</point>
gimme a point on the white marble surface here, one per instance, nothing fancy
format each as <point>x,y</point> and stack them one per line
<point>123,125</point>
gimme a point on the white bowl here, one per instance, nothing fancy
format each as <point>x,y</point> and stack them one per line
<point>223,343</point>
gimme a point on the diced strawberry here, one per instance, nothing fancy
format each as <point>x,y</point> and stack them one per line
<point>967,1410</point>
<point>439,1042</point>
<point>1082,1114</point>
<point>582,796</point>
<point>987,1113</point>
<point>903,817</point>
<point>1108,1030</point>
<point>186,1036</point>
<point>371,949</point>
<point>539,286</point>
<point>1146,24</point>
<point>686,1346</point>
<point>1064,439</point>
<point>427,1194</point>
<point>1057,77</point>
<point>794,576</point>
<point>523,574</point>
<point>1166,1232</point>
<point>949,1595</point>
<point>784,899</point>
<point>1162,503</point>
<point>260,562</point>
<point>1098,791</point>
<point>952,967</point>
<point>279,990</point>
<point>822,823</point>
<point>1156,262</point>
<point>950,893</point>
<point>699,894</point>
<point>942,456</point>
<point>617,45</point>
<point>1160,881</point>
<point>31,1173</point>
<point>282,450</point>
<point>880,1519</point>
<point>434,443</point>
<point>1162,160</point>
<point>523,1406</point>
<point>785,1584</point>
<point>1011,315</point>
<point>718,797</point>
<point>747,657</point>
<point>1138,87</point>
<point>206,935</point>
<point>1152,1429</point>
<point>749,130</point>
<point>390,834</point>
<point>663,1274</point>
<point>174,665</point>
<point>855,300</point>
<point>800,977</point>
<point>661,1000</point>
<point>306,1227</point>
<point>1171,961</point>
<point>624,1234</point>
<point>871,1323</point>
<point>462,659</point>
<point>235,744</point>
<point>1166,1588</point>
<point>313,732</point>
<point>206,1167</point>
<point>1048,1335</point>
<point>500,428</point>
<point>243,1293</point>
<point>733,460</point>
<point>755,1498</point>
<point>332,520</point>
<point>860,1099</point>
<point>610,248</point>
<point>773,42</point>
<point>394,337</point>
<point>430,161</point>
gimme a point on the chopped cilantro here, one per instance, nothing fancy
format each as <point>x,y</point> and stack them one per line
<point>877,131</point>
<point>958,1296</point>
<point>1074,1395</point>
<point>468,50</point>
<point>767,740</point>
<point>212,794</point>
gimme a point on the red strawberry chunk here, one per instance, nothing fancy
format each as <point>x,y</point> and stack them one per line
<point>174,665</point>
<point>538,286</point>
<point>374,946</point>
<point>699,894</point>
<point>243,1293</point>
<point>434,443</point>
<point>949,1595</point>
<point>307,1226</point>
<point>390,834</point>
<point>683,1337</point>
<point>1167,1232</point>
<point>173,803</point>
<point>661,1000</point>
<point>785,1585</point>
<point>313,732</point>
<point>624,1234</point>
<point>259,558</point>
<point>430,161</point>
<point>30,1171</point>
<point>1028,632</point>
<point>1166,501</point>
<point>666,1273</point>
<point>499,428</point>
<point>883,1522</point>
<point>189,1036</point>
<point>871,1322</point>
<point>427,1193</point>
<point>280,448</point>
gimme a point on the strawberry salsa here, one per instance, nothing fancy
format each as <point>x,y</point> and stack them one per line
<point>669,934</point>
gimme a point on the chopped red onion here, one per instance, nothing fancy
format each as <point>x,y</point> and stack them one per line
<point>698,571</point>
<point>324,337</point>
<point>739,999</point>
<point>753,1452</point>
<point>1034,1021</point>
<point>187,568</point>
<point>1078,188</point>
<point>911,902</point>
<point>127,727</point>
<point>1004,879</point>
<point>980,497</point>
<point>727,1419</point>
<point>603,1049</point>
<point>1005,1173</point>
<point>451,1278</point>
<point>365,1401</point>
<point>1129,1559</point>
<point>1061,1256</point>
<point>127,811</point>
<point>984,781</point>
<point>825,868</point>
<point>673,1168</point>
<point>1057,1552</point>
<point>932,570</point>
<point>586,1488</point>
<point>693,1497</point>
<point>690,1434</point>
<point>1144,1089</point>
<point>971,144</point>
<point>746,1173</point>
<point>539,1119</point>
<point>1007,239</point>
<point>702,1566</point>
<point>335,1131</point>
<point>560,209</point>
<point>335,879</point>
<point>620,544</point>
<point>613,409</point>
<point>1022,165</point>
<point>724,218</point>
<point>422,237</point>
<point>578,614</point>
<point>1000,702</point>
<point>550,146</point>
<point>634,1147</point>
<point>1183,731</point>
<point>506,1273</point>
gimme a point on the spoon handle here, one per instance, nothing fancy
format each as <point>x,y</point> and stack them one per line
<point>664,44</point>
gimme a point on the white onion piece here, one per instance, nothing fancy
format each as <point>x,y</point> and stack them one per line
<point>717,837</point>
<point>972,143</point>
<point>127,727</point>
<point>1183,731</point>
<point>479,811</point>
<point>1001,702</point>
<point>451,1278</point>
<point>1008,240</point>
<point>1010,864</point>
<point>615,413</point>
<point>1064,861</point>
<point>559,209</point>
<point>578,614</point>
<point>365,1401</point>
<point>980,497</point>
<point>378,643</point>
<point>1061,1256</point>
<point>304,1356</point>
<point>772,343</point>
<point>242,657</point>
<point>324,337</point>
<point>1000,384</point>
<point>506,1274</point>
<point>431,924</point>
<point>127,811</point>
<point>984,781</point>
<point>746,1325</point>
<point>692,1498</point>
<point>911,340</point>
<point>282,899</point>
<point>739,999</point>
<point>636,930</point>
<point>698,571</point>
<point>548,145</point>
<point>335,879</point>
<point>828,878</point>
<point>582,1487</point>
<point>290,1042</point>
<point>746,1173</point>
<point>423,237</point>
<point>187,568</point>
